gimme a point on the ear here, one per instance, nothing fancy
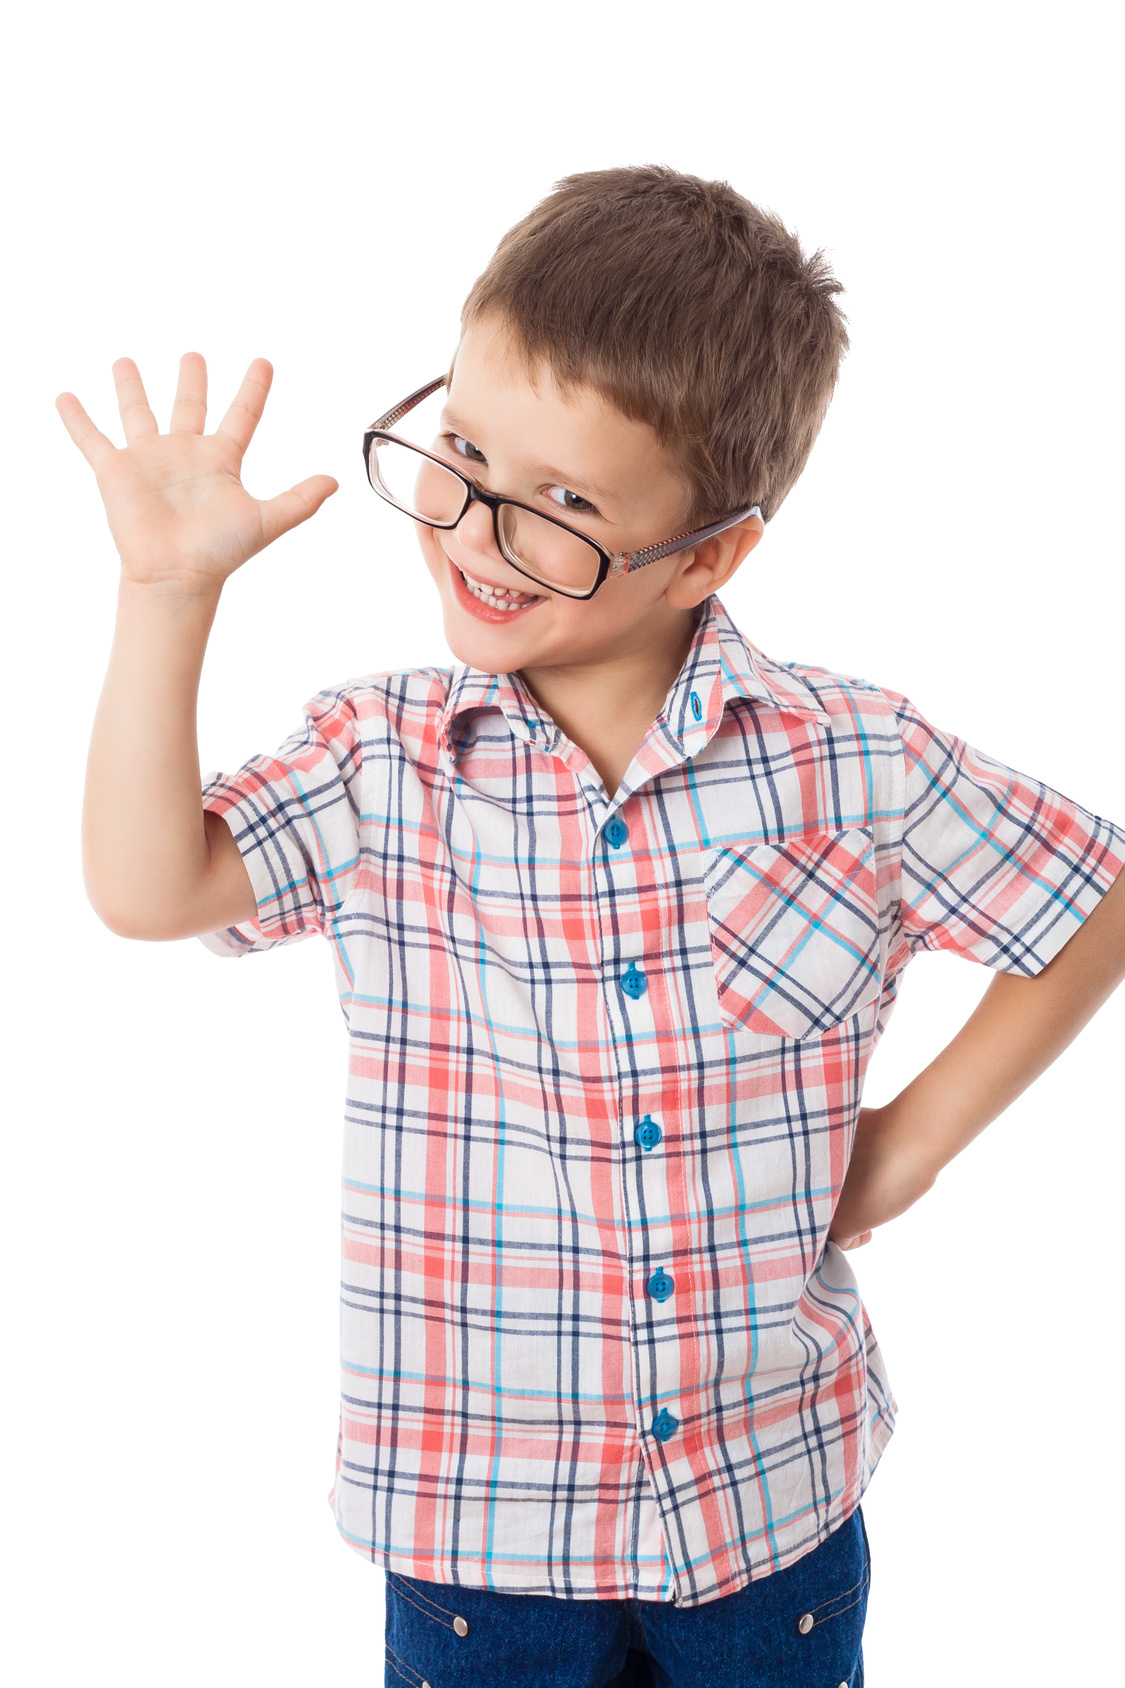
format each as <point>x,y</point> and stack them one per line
<point>708,566</point>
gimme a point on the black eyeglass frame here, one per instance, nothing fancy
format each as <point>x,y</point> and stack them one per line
<point>610,562</point>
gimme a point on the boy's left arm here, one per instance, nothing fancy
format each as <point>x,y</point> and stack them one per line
<point>1020,1026</point>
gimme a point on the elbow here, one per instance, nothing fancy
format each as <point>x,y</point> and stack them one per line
<point>129,920</point>
<point>127,923</point>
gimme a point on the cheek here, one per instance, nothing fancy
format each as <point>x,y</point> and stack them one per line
<point>576,621</point>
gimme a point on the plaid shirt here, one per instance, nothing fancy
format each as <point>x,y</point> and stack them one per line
<point>606,1059</point>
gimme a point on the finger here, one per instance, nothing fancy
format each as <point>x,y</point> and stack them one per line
<point>290,509</point>
<point>189,409</point>
<point>89,439</point>
<point>132,401</point>
<point>247,405</point>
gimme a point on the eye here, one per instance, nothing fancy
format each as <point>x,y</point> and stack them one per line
<point>466,448</point>
<point>572,501</point>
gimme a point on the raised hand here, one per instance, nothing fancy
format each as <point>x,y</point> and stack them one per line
<point>177,508</point>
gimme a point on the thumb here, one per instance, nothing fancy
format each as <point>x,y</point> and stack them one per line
<point>290,509</point>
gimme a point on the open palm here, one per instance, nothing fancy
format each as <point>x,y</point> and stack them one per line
<point>177,508</point>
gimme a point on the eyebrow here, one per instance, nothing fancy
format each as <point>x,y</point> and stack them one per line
<point>597,494</point>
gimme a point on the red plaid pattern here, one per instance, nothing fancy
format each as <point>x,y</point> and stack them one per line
<point>606,1063</point>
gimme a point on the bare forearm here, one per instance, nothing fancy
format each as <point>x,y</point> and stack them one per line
<point>145,847</point>
<point>1019,1028</point>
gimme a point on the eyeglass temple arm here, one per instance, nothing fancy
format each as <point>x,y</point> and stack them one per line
<point>400,410</point>
<point>626,561</point>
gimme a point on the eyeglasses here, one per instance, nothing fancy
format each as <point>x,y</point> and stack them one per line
<point>543,549</point>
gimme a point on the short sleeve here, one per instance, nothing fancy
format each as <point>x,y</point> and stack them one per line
<point>995,865</point>
<point>295,819</point>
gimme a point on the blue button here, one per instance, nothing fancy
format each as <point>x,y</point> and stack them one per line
<point>660,1285</point>
<point>696,706</point>
<point>648,1133</point>
<point>616,831</point>
<point>634,983</point>
<point>664,1425</point>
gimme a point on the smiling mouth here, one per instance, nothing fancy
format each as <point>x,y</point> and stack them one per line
<point>497,597</point>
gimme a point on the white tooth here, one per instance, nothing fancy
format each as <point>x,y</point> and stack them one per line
<point>497,597</point>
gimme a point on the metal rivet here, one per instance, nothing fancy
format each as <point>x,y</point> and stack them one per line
<point>425,1685</point>
<point>462,1627</point>
<point>806,1623</point>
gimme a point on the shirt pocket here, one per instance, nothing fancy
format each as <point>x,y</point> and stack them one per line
<point>795,931</point>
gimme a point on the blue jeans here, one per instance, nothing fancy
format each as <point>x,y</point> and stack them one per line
<point>759,1637</point>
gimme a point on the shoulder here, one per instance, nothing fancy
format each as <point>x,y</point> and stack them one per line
<point>847,698</point>
<point>371,706</point>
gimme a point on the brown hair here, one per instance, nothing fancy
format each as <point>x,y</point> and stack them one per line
<point>689,309</point>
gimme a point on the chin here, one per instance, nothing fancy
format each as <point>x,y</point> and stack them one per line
<point>491,654</point>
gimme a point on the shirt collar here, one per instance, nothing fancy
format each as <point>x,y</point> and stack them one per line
<point>721,665</point>
<point>470,689</point>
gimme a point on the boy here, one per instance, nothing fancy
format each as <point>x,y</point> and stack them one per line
<point>618,907</point>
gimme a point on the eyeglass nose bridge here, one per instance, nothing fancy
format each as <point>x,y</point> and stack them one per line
<point>491,501</point>
<point>477,495</point>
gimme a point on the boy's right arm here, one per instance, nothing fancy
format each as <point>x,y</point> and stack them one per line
<point>157,864</point>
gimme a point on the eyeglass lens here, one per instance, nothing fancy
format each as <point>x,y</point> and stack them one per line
<point>424,489</point>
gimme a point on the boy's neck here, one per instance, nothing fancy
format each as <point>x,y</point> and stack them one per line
<point>606,708</point>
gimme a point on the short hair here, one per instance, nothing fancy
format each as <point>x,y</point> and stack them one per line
<point>689,309</point>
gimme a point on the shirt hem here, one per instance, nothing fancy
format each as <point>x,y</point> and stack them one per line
<point>408,1565</point>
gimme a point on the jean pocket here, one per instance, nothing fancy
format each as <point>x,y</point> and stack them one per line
<point>422,1634</point>
<point>827,1631</point>
<point>398,1670</point>
<point>418,1596</point>
<point>795,932</point>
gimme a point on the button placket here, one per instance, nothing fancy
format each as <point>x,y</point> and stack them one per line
<point>631,1014</point>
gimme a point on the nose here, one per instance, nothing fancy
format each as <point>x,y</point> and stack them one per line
<point>475,531</point>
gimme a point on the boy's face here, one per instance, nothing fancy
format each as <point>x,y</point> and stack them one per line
<point>577,458</point>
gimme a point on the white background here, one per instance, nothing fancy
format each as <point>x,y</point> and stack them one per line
<point>321,186</point>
